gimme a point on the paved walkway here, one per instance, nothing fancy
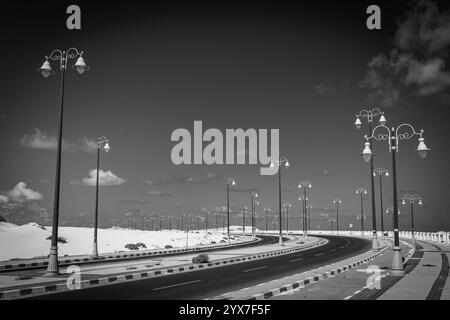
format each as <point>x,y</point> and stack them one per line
<point>428,280</point>
<point>348,284</point>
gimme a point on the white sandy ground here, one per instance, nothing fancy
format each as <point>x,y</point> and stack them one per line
<point>29,240</point>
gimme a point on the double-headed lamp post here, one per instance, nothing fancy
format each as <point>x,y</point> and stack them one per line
<point>412,199</point>
<point>266,211</point>
<point>253,195</point>
<point>393,136</point>
<point>369,115</point>
<point>304,186</point>
<point>46,70</point>
<point>286,207</point>
<point>279,163</point>
<point>331,222</point>
<point>381,172</point>
<point>361,192</point>
<point>309,207</point>
<point>337,202</point>
<point>102,144</point>
<point>231,182</point>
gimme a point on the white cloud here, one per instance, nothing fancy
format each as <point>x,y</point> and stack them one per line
<point>416,64</point>
<point>105,178</point>
<point>20,193</point>
<point>42,140</point>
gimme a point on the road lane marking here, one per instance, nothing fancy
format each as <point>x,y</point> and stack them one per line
<point>259,268</point>
<point>299,259</point>
<point>333,250</point>
<point>319,254</point>
<point>176,285</point>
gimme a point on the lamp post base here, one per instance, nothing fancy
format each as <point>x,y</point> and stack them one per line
<point>52,267</point>
<point>95,250</point>
<point>280,241</point>
<point>397,263</point>
<point>375,242</point>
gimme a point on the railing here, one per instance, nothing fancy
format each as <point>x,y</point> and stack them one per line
<point>441,237</point>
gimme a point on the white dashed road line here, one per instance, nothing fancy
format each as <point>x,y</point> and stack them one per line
<point>259,268</point>
<point>319,254</point>
<point>176,285</point>
<point>299,259</point>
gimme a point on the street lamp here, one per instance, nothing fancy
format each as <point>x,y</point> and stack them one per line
<point>254,195</point>
<point>361,192</point>
<point>369,115</point>
<point>279,163</point>
<point>337,202</point>
<point>412,199</point>
<point>286,207</point>
<point>266,210</point>
<point>362,218</point>
<point>381,172</point>
<point>231,182</point>
<point>305,185</point>
<point>309,207</point>
<point>331,221</point>
<point>393,136</point>
<point>102,143</point>
<point>46,70</point>
<point>244,212</point>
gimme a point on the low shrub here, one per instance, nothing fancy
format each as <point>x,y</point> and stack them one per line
<point>212,242</point>
<point>201,258</point>
<point>168,246</point>
<point>131,246</point>
<point>60,239</point>
<point>141,245</point>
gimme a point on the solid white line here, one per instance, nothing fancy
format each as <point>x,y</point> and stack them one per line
<point>348,297</point>
<point>176,285</point>
<point>255,269</point>
<point>296,260</point>
<point>319,254</point>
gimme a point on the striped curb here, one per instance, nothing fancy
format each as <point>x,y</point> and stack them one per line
<point>118,257</point>
<point>60,287</point>
<point>313,279</point>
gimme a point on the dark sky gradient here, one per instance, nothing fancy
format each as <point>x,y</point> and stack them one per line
<point>159,67</point>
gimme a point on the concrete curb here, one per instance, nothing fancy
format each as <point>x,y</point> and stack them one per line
<point>119,256</point>
<point>317,278</point>
<point>60,287</point>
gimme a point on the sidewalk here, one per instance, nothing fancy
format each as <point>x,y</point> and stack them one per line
<point>428,280</point>
<point>346,285</point>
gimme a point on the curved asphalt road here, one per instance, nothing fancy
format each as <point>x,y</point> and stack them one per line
<point>213,282</point>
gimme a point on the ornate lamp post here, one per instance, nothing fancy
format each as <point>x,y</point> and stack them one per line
<point>337,202</point>
<point>244,213</point>
<point>254,195</point>
<point>231,182</point>
<point>279,163</point>
<point>393,136</point>
<point>331,222</point>
<point>304,185</point>
<point>412,199</point>
<point>46,70</point>
<point>369,115</point>
<point>309,207</point>
<point>286,207</point>
<point>102,143</point>
<point>381,172</point>
<point>361,192</point>
<point>266,210</point>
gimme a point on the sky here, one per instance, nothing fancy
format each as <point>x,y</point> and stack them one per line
<point>306,70</point>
